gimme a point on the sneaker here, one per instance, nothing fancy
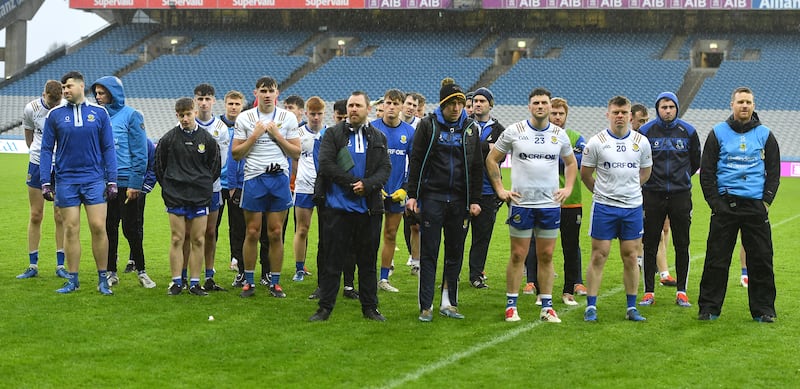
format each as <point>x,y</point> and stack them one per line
<point>104,288</point>
<point>68,287</point>
<point>426,315</point>
<point>238,280</point>
<point>248,290</point>
<point>744,281</point>
<point>648,299</point>
<point>307,273</point>
<point>478,283</point>
<point>197,290</point>
<point>391,270</point>
<point>185,284</point>
<point>130,267</point>
<point>484,276</point>
<point>373,314</point>
<point>266,280</point>
<point>174,289</point>
<point>668,281</point>
<point>633,315</point>
<point>61,272</point>
<point>451,312</point>
<point>538,300</point>
<point>276,291</point>
<point>568,299</point>
<point>580,290</point>
<point>549,315</point>
<point>707,316</point>
<point>385,285</point>
<point>33,272</point>
<point>211,286</point>
<point>234,266</point>
<point>112,279</point>
<point>299,276</point>
<point>314,295</point>
<point>410,261</point>
<point>530,288</point>
<point>350,293</point>
<point>590,314</point>
<point>415,270</point>
<point>146,282</point>
<point>682,300</point>
<point>765,319</point>
<point>511,314</point>
<point>321,314</point>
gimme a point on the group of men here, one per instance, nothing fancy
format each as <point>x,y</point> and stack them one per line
<point>439,172</point>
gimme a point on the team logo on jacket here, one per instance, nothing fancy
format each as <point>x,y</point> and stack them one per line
<point>90,117</point>
<point>679,144</point>
<point>201,148</point>
<point>403,139</point>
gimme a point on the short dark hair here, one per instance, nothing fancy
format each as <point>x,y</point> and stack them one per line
<point>53,88</point>
<point>540,92</point>
<point>267,82</point>
<point>204,90</point>
<point>76,75</point>
<point>184,104</point>
<point>395,95</point>
<point>419,97</point>
<point>340,107</point>
<point>361,93</point>
<point>295,100</point>
<point>638,107</point>
<point>619,101</point>
<point>741,89</point>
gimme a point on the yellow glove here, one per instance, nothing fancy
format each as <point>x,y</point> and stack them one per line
<point>384,194</point>
<point>399,195</point>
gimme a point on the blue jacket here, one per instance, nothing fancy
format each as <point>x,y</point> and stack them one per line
<point>150,175</point>
<point>233,170</point>
<point>676,151</point>
<point>130,138</point>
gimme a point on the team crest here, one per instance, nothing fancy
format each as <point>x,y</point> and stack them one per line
<point>554,139</point>
<point>635,147</point>
<point>517,218</point>
<point>679,144</point>
<point>469,131</point>
<point>403,139</point>
<point>90,117</point>
<point>201,148</point>
<point>216,133</point>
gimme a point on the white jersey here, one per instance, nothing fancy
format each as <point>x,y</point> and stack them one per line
<point>265,151</point>
<point>617,162</point>
<point>33,116</point>
<point>534,161</point>
<point>414,122</point>
<point>306,171</point>
<point>219,130</point>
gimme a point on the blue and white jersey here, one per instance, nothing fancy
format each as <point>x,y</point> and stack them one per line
<point>306,169</point>
<point>85,144</point>
<point>33,116</point>
<point>398,141</point>
<point>219,131</point>
<point>617,162</point>
<point>534,161</point>
<point>265,151</point>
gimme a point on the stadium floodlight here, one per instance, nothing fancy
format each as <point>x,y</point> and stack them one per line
<point>713,45</point>
<point>174,41</point>
<point>521,44</point>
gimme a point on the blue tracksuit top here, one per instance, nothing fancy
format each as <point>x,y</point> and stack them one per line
<point>130,138</point>
<point>85,144</point>
<point>233,172</point>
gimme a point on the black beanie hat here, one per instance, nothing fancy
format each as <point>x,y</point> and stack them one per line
<point>485,92</point>
<point>450,90</point>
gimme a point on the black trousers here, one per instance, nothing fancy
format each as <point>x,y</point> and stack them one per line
<point>236,226</point>
<point>570,229</point>
<point>132,217</point>
<point>657,207</point>
<point>349,235</point>
<point>482,228</point>
<point>452,218</point>
<point>749,216</point>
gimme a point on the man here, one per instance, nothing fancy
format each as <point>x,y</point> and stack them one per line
<point>204,98</point>
<point>571,217</point>
<point>640,116</point>
<point>623,161</point>
<point>483,224</point>
<point>468,106</point>
<point>444,187</point>
<point>340,110</point>
<point>354,165</point>
<point>740,174</point>
<point>234,170</point>
<point>378,105</point>
<point>130,140</point>
<point>266,135</point>
<point>408,114</point>
<point>399,138</point>
<point>33,116</point>
<point>668,193</point>
<point>420,105</point>
<point>535,146</point>
<point>296,105</point>
<point>187,163</point>
<point>85,173</point>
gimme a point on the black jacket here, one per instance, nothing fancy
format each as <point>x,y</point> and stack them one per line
<point>424,178</point>
<point>186,166</point>
<point>378,166</point>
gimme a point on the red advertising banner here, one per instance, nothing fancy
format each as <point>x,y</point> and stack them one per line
<point>217,4</point>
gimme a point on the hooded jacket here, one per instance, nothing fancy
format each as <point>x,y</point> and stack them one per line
<point>676,151</point>
<point>130,138</point>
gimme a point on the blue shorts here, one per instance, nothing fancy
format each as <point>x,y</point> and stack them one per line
<point>609,222</point>
<point>216,202</point>
<point>547,221</point>
<point>33,180</point>
<point>73,195</point>
<point>304,200</point>
<point>188,212</point>
<point>267,193</point>
<point>394,207</point>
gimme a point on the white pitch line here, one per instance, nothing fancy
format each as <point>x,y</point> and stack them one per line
<point>508,335</point>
